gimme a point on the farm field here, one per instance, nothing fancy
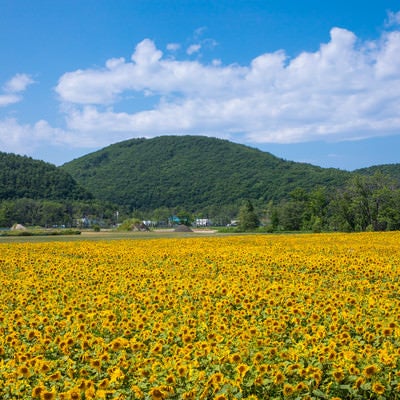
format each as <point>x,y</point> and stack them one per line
<point>310,316</point>
<point>90,235</point>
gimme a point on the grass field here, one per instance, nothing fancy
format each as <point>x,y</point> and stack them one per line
<point>89,235</point>
<point>312,316</point>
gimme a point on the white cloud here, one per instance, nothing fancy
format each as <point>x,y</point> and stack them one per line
<point>193,48</point>
<point>27,138</point>
<point>199,32</point>
<point>18,83</point>
<point>393,19</point>
<point>388,60</point>
<point>345,90</point>
<point>7,99</point>
<point>173,46</point>
<point>22,139</point>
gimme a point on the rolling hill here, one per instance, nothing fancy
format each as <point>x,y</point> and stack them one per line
<point>390,170</point>
<point>192,172</point>
<point>24,177</point>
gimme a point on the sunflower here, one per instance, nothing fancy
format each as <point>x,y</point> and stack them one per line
<point>137,392</point>
<point>301,386</point>
<point>241,369</point>
<point>338,375</point>
<point>186,338</point>
<point>288,389</point>
<point>217,378</point>
<point>37,391</point>
<point>24,371</point>
<point>46,395</point>
<point>258,357</point>
<point>370,370</point>
<point>96,364</point>
<point>116,344</point>
<point>220,397</point>
<point>74,394</point>
<point>264,368</point>
<point>191,395</point>
<point>104,383</point>
<point>359,382</point>
<point>56,376</point>
<point>182,370</point>
<point>354,370</point>
<point>170,379</point>
<point>279,378</point>
<point>44,367</point>
<point>235,358</point>
<point>378,388</point>
<point>157,394</point>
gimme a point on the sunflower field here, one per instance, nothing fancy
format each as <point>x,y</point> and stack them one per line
<point>311,316</point>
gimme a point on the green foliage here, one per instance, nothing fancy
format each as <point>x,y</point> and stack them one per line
<point>368,202</point>
<point>96,228</point>
<point>41,232</point>
<point>193,172</point>
<point>196,177</point>
<point>185,217</point>
<point>391,171</point>
<point>23,177</point>
<point>248,219</point>
<point>49,213</point>
<point>129,224</point>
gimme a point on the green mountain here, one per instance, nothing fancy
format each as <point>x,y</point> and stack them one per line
<point>193,172</point>
<point>23,177</point>
<point>390,170</point>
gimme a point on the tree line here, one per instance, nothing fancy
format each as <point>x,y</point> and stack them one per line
<point>53,213</point>
<point>364,203</point>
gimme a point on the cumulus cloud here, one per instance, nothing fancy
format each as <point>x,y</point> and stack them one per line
<point>173,46</point>
<point>193,48</point>
<point>393,19</point>
<point>13,87</point>
<point>16,137</point>
<point>24,138</point>
<point>347,89</point>
<point>7,99</point>
<point>18,83</point>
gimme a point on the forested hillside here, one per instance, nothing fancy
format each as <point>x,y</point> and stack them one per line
<point>197,177</point>
<point>390,170</point>
<point>34,192</point>
<point>24,177</point>
<point>193,172</point>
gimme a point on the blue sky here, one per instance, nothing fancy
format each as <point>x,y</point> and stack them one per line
<point>308,81</point>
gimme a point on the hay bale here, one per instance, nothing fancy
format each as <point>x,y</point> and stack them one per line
<point>182,228</point>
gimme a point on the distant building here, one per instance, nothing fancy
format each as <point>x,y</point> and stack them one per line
<point>173,220</point>
<point>149,223</point>
<point>202,222</point>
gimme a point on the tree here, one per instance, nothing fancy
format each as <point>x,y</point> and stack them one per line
<point>129,224</point>
<point>294,213</point>
<point>160,215</point>
<point>248,219</point>
<point>369,203</point>
<point>185,217</point>
<point>317,206</point>
<point>291,215</point>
